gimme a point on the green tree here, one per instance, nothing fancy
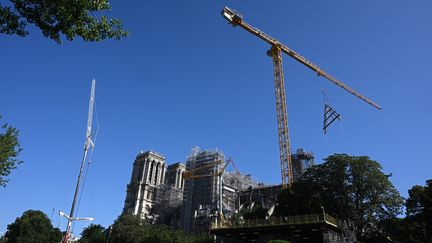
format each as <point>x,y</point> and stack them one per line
<point>347,187</point>
<point>133,229</point>
<point>59,18</point>
<point>419,212</point>
<point>256,212</point>
<point>201,239</point>
<point>94,233</point>
<point>128,229</point>
<point>416,227</point>
<point>9,151</point>
<point>32,227</point>
<point>397,229</point>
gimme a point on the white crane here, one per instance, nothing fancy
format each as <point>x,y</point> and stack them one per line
<point>88,143</point>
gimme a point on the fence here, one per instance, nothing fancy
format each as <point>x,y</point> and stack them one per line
<point>288,220</point>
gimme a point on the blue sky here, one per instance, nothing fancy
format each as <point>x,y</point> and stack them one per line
<point>186,78</point>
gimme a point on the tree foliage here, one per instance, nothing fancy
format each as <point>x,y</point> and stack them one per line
<point>133,229</point>
<point>128,228</point>
<point>419,203</point>
<point>9,151</point>
<point>94,233</point>
<point>416,227</point>
<point>419,211</point>
<point>347,187</point>
<point>254,212</point>
<point>59,18</point>
<point>32,227</point>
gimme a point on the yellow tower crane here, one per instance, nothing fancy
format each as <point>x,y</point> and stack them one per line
<point>236,19</point>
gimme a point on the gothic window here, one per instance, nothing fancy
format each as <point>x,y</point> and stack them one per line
<point>156,174</point>
<point>151,170</point>
<point>140,171</point>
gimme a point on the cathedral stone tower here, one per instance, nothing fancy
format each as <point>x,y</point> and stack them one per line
<point>148,173</point>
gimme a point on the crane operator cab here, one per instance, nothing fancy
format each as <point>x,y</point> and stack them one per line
<point>232,16</point>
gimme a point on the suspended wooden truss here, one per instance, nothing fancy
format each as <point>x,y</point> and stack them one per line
<point>330,115</point>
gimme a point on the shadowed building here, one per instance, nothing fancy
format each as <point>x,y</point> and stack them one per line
<point>169,196</point>
<point>174,175</point>
<point>295,229</point>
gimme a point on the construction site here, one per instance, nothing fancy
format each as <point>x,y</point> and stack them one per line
<point>200,195</point>
<point>252,122</point>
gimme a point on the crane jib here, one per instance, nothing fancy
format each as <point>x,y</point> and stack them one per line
<point>236,19</point>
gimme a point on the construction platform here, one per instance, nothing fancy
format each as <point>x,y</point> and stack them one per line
<point>300,228</point>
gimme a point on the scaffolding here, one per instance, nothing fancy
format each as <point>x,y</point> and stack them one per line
<point>201,196</point>
<point>233,184</point>
<point>166,209</point>
<point>301,161</point>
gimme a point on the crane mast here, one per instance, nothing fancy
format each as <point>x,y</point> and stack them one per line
<point>88,143</point>
<point>236,19</point>
<point>282,117</point>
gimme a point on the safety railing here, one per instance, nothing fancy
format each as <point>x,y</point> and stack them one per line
<point>288,220</point>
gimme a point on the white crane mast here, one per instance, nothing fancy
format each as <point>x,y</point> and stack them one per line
<point>88,142</point>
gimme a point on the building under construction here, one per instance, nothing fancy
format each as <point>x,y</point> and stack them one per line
<point>166,195</point>
<point>201,195</point>
<point>169,196</point>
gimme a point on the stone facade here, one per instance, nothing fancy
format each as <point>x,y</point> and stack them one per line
<point>174,175</point>
<point>148,173</point>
